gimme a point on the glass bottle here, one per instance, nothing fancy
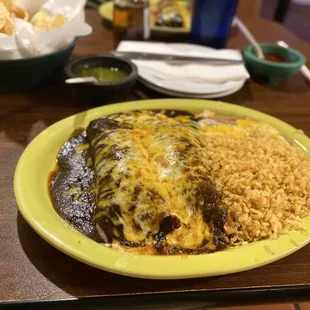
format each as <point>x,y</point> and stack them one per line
<point>211,22</point>
<point>131,20</point>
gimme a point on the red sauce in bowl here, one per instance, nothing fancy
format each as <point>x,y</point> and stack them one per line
<point>275,58</point>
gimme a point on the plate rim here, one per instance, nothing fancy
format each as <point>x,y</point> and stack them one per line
<point>164,267</point>
<point>168,92</point>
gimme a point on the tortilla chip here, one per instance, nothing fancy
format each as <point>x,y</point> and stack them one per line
<point>6,22</point>
<point>4,11</point>
<point>9,27</point>
<point>58,22</point>
<point>41,21</point>
<point>8,4</point>
<point>2,22</point>
<point>44,22</point>
<point>20,13</point>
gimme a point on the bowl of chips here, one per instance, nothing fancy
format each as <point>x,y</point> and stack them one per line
<point>37,38</point>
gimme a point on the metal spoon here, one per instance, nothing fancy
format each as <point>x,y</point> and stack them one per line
<point>82,80</point>
<point>304,70</point>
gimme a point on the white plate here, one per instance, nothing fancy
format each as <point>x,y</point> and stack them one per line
<point>183,88</point>
<point>187,87</point>
<point>187,95</point>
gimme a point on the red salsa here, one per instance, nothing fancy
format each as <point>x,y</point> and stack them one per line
<point>275,58</point>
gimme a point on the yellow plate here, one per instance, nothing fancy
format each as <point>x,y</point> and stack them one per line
<point>106,12</point>
<point>39,159</point>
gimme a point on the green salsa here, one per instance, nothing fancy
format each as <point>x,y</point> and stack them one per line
<point>103,74</point>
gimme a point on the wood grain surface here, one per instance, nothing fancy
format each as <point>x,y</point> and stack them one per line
<point>30,269</point>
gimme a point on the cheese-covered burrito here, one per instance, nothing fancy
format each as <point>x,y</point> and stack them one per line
<point>152,186</point>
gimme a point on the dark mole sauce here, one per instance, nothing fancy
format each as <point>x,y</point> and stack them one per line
<point>71,185</point>
<point>52,176</point>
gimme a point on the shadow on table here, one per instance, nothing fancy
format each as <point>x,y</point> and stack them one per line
<point>79,279</point>
<point>295,85</point>
<point>23,116</point>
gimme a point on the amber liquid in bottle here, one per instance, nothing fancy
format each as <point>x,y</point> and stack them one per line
<point>131,20</point>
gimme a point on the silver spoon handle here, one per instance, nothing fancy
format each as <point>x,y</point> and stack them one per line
<point>81,80</point>
<point>246,32</point>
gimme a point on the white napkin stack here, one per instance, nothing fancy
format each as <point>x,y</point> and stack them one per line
<point>190,72</point>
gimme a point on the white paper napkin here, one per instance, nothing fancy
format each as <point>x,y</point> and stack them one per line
<point>194,72</point>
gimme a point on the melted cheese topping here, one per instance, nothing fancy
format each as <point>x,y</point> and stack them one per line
<point>239,127</point>
<point>156,171</point>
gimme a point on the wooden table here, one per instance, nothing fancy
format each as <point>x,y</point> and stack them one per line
<point>32,271</point>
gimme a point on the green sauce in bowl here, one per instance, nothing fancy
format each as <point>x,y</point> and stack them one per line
<point>103,74</point>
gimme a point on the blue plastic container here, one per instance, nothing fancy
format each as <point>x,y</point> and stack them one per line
<point>212,21</point>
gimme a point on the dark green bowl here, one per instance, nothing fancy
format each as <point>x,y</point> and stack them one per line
<point>102,93</point>
<point>22,75</point>
<point>273,72</point>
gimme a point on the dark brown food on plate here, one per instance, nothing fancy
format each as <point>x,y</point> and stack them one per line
<point>170,182</point>
<point>169,15</point>
<point>174,14</point>
<point>72,188</point>
<point>153,192</point>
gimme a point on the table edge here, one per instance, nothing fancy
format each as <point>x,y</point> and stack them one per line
<point>183,300</point>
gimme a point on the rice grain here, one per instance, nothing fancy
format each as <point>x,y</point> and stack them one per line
<point>264,181</point>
